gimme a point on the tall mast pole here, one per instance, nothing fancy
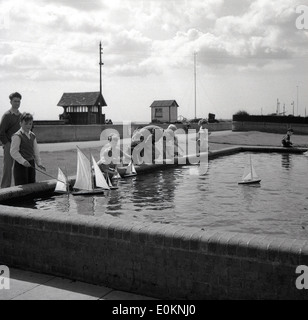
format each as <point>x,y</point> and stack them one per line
<point>100,68</point>
<point>278,107</point>
<point>195,73</point>
<point>100,82</point>
<point>297,101</point>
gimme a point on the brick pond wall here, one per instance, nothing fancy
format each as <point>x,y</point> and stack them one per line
<point>162,261</point>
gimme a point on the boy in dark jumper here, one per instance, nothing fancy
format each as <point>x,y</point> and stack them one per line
<point>25,152</point>
<point>10,124</point>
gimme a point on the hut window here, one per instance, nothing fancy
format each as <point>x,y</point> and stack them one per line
<point>77,109</point>
<point>158,113</point>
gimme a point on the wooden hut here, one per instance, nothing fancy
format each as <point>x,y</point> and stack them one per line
<point>83,108</point>
<point>164,111</point>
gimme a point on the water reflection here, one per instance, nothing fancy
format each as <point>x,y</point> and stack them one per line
<point>84,205</point>
<point>155,191</point>
<point>61,203</point>
<point>286,161</point>
<point>114,203</point>
<point>64,203</point>
<point>250,195</point>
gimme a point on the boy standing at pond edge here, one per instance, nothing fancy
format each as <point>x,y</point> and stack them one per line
<point>25,152</point>
<point>10,124</point>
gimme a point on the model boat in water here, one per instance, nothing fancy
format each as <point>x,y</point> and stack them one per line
<point>63,185</point>
<point>130,171</point>
<point>250,176</point>
<point>89,179</point>
<point>88,182</point>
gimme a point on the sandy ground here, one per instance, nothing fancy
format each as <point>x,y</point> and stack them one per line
<point>63,155</point>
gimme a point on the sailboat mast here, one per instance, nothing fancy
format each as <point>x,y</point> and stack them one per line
<point>195,74</point>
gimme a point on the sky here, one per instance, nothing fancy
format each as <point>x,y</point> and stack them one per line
<point>249,53</point>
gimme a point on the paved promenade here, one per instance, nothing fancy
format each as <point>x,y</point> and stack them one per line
<point>251,138</point>
<point>26,285</point>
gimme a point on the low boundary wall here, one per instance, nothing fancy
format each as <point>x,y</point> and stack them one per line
<point>269,127</point>
<point>271,124</point>
<point>163,261</point>
<point>68,133</point>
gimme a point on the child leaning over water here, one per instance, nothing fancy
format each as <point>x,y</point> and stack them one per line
<point>25,152</point>
<point>286,141</point>
<point>110,156</point>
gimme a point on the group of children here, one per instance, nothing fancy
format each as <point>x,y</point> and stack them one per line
<point>144,147</point>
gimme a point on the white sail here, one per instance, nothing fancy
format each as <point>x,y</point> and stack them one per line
<point>254,174</point>
<point>250,174</point>
<point>62,183</point>
<point>306,154</point>
<point>130,169</point>
<point>99,176</point>
<point>133,169</point>
<point>117,175</point>
<point>84,172</point>
<point>247,177</point>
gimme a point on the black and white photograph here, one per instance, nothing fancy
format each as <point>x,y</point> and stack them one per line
<point>153,153</point>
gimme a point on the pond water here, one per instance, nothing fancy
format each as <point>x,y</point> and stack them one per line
<point>278,206</point>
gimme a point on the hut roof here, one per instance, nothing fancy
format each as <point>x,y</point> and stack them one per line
<point>164,104</point>
<point>82,99</point>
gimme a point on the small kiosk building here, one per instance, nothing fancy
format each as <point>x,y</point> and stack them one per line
<point>83,108</point>
<point>165,111</point>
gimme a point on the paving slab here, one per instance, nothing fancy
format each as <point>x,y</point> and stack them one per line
<point>25,285</point>
<point>64,289</point>
<point>22,282</point>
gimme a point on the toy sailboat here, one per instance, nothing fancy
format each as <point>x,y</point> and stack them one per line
<point>117,175</point>
<point>110,185</point>
<point>62,186</point>
<point>250,176</point>
<point>130,171</point>
<point>87,183</point>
